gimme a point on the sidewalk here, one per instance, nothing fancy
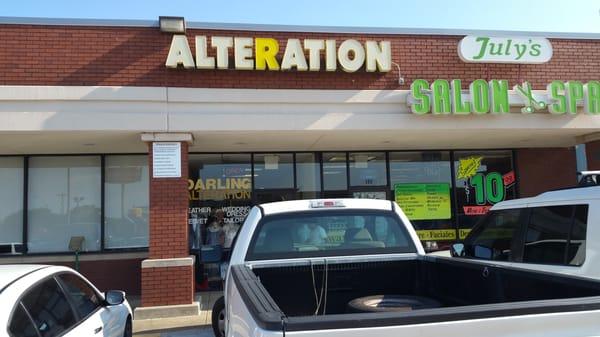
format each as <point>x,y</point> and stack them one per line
<point>178,326</point>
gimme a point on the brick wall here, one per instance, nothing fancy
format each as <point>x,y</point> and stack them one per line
<point>540,170</point>
<point>115,274</point>
<point>61,55</point>
<point>168,212</point>
<point>167,286</point>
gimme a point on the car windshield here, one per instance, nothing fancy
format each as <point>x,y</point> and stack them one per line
<point>329,233</point>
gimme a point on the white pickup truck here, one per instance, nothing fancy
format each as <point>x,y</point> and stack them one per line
<point>355,267</point>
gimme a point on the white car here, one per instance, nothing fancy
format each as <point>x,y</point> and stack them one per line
<point>47,301</point>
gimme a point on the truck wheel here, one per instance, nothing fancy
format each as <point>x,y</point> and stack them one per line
<point>385,303</point>
<point>218,317</point>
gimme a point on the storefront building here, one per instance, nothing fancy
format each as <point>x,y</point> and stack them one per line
<point>151,145</point>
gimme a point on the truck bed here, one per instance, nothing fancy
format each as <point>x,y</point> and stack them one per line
<point>283,297</point>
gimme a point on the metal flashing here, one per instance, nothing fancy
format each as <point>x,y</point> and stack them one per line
<point>294,28</point>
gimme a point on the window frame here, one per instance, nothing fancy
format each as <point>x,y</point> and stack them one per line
<point>103,229</point>
<point>19,302</point>
<point>525,227</point>
<point>101,205</point>
<point>516,242</point>
<point>251,256</point>
<point>319,194</point>
<point>70,298</point>
<point>31,321</point>
<point>519,238</point>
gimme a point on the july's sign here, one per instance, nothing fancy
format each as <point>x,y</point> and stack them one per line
<point>491,49</point>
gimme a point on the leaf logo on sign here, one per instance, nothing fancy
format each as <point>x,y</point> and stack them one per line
<point>467,167</point>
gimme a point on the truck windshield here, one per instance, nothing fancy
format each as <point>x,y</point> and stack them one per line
<point>329,233</point>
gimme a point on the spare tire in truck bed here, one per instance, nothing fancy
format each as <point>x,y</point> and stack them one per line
<point>385,303</point>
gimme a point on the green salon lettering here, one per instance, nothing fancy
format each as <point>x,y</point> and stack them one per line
<point>458,106</point>
<point>443,97</point>
<point>499,98</point>
<point>440,90</point>
<point>480,93</point>
<point>421,106</point>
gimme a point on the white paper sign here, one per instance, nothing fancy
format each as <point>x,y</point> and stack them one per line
<point>510,49</point>
<point>166,160</point>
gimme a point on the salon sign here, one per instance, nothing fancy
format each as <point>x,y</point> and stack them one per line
<point>443,97</point>
<point>494,49</point>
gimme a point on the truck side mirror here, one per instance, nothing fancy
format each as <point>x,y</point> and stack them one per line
<point>457,250</point>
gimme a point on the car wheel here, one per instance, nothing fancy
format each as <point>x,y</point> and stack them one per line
<point>218,317</point>
<point>128,332</point>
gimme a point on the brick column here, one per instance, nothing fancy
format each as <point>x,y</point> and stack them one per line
<point>592,154</point>
<point>544,169</point>
<point>167,274</point>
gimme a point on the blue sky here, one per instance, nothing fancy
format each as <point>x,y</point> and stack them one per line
<point>528,15</point>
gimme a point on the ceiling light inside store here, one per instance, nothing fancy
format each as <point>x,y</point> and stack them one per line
<point>361,161</point>
<point>271,162</point>
<point>171,24</point>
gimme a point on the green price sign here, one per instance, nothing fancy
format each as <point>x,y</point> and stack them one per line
<point>424,201</point>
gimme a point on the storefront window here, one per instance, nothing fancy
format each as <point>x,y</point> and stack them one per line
<point>482,179</point>
<point>274,177</point>
<point>273,171</point>
<point>126,201</point>
<point>308,175</point>
<point>335,175</point>
<point>421,184</point>
<point>11,205</point>
<point>368,169</point>
<point>64,201</point>
<point>220,192</point>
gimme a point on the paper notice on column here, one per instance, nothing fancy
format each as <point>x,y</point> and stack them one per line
<point>166,160</point>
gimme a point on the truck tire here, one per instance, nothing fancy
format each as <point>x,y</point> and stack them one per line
<point>218,317</point>
<point>387,303</point>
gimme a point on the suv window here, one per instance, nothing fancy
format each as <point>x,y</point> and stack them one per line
<point>84,298</point>
<point>49,308</point>
<point>20,324</point>
<point>556,235</point>
<point>493,237</point>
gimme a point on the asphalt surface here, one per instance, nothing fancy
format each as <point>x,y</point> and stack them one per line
<point>188,332</point>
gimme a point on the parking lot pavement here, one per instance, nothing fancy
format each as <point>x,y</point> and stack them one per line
<point>179,326</point>
<point>193,332</point>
